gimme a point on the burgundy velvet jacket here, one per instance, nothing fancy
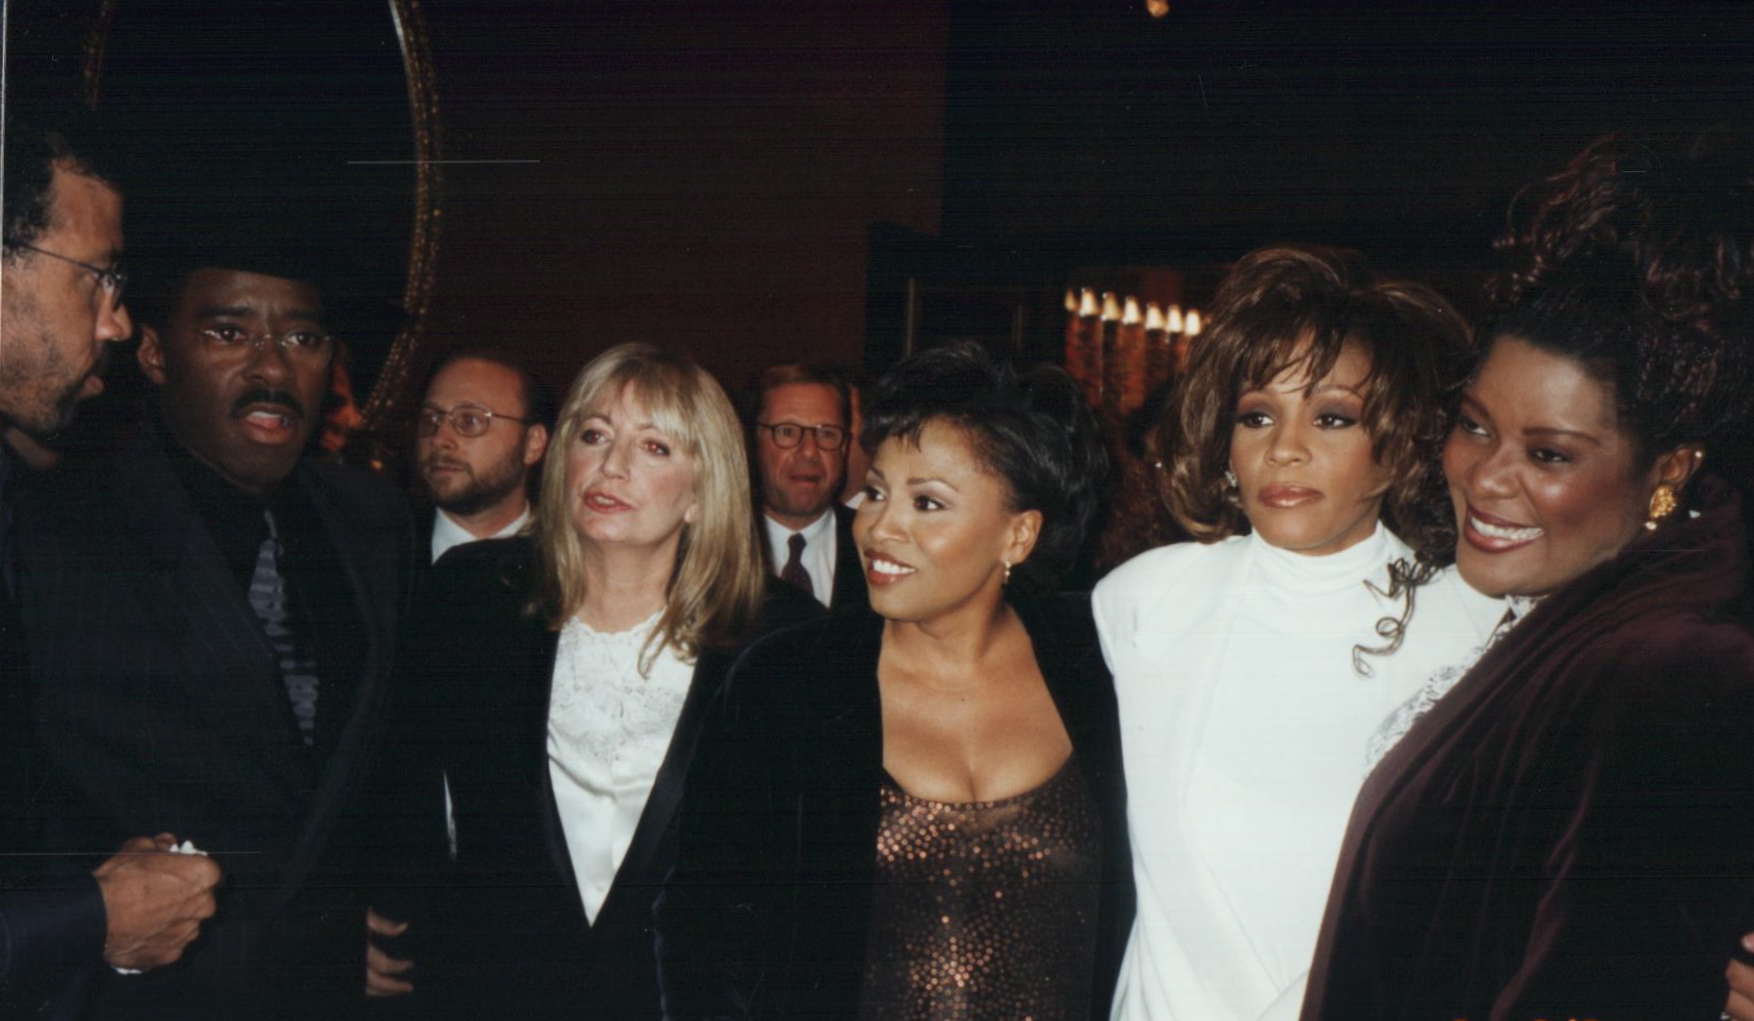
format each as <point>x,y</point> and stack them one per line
<point>1570,832</point>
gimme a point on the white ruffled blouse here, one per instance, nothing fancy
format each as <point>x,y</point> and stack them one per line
<point>609,729</point>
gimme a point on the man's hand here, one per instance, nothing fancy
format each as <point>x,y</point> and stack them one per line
<point>381,970</point>
<point>154,902</point>
<point>1740,1006</point>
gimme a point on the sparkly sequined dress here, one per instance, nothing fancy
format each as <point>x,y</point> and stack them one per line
<point>985,910</point>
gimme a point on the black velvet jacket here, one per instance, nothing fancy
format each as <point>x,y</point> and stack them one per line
<point>501,930</point>
<point>768,912</point>
<point>1569,833</point>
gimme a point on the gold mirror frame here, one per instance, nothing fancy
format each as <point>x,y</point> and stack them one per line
<point>390,392</point>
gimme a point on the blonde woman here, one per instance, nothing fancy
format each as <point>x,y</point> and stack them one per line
<point>550,707</point>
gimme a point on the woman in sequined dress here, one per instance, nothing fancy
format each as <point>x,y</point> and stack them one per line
<point>917,812</point>
<point>549,701</point>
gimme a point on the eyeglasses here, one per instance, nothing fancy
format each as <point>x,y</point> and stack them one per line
<point>305,347</point>
<point>111,280</point>
<point>787,435</point>
<point>468,421</point>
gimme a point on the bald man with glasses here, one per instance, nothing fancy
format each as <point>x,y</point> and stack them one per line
<point>478,438</point>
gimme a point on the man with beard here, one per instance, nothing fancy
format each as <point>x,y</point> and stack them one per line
<point>799,431</point>
<point>60,309</point>
<point>478,435</point>
<point>210,625</point>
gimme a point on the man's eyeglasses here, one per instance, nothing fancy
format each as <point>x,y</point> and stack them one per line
<point>787,435</point>
<point>307,346</point>
<point>111,280</point>
<point>468,421</point>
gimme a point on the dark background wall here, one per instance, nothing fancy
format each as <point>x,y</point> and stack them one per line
<point>706,175</point>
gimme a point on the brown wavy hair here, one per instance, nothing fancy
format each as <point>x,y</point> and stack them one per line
<point>1298,307</point>
<point>1640,267</point>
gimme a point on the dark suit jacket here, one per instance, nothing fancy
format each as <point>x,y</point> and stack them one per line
<point>160,708</point>
<point>849,574</point>
<point>1569,833</point>
<point>769,909</point>
<point>502,930</point>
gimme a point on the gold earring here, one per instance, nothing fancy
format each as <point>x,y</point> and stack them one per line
<point>1662,504</point>
<point>1007,580</point>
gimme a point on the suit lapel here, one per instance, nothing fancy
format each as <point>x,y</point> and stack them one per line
<point>660,811</point>
<point>535,731</point>
<point>375,606</point>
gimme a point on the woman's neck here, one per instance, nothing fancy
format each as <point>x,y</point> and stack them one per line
<point>951,647</point>
<point>624,586</point>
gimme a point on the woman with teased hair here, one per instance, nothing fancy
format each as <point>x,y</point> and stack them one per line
<point>917,812</point>
<point>554,690</point>
<point>1568,831</point>
<point>1253,666</point>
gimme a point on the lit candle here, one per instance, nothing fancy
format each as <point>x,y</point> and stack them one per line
<point>1157,352</point>
<point>1124,373</point>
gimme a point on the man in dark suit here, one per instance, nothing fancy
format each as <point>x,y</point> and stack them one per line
<point>799,437</point>
<point>61,308</point>
<point>479,434</point>
<point>210,618</point>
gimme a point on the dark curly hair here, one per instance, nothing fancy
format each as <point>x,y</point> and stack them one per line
<point>1298,307</point>
<point>1032,430</point>
<point>1638,268</point>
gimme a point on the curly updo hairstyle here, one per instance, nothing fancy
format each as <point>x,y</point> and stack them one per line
<point>1298,308</point>
<point>1031,430</point>
<point>1637,268</point>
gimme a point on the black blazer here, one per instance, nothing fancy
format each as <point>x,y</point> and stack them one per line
<point>768,911</point>
<point>501,930</point>
<point>159,707</point>
<point>849,574</point>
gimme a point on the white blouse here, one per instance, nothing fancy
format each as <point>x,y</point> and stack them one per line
<point>608,732</point>
<point>1244,728</point>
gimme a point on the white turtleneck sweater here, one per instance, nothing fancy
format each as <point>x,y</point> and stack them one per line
<point>1244,729</point>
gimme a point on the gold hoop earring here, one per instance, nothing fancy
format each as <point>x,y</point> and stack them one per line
<point>1662,504</point>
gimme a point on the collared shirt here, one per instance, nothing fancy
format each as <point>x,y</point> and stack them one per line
<point>819,553</point>
<point>446,533</point>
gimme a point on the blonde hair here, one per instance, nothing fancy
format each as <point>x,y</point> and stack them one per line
<point>716,587</point>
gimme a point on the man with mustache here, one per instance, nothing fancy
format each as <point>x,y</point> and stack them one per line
<point>478,435</point>
<point>211,628</point>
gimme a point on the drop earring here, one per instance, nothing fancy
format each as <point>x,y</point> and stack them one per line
<point>1007,580</point>
<point>1230,478</point>
<point>1662,504</point>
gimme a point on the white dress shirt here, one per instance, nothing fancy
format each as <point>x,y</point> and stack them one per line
<point>1244,729</point>
<point>446,533</point>
<point>609,729</point>
<point>818,558</point>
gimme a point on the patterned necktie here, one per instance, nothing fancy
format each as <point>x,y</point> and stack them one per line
<point>298,671</point>
<point>794,570</point>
